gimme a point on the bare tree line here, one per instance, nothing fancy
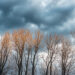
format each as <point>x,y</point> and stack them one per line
<point>27,46</point>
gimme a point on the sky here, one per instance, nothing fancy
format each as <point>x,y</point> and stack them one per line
<point>49,16</point>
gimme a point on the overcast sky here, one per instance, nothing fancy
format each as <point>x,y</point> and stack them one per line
<point>47,15</point>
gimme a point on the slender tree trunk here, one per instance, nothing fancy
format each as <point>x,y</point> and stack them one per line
<point>51,68</point>
<point>1,72</point>
<point>51,63</point>
<point>19,72</point>
<point>33,65</point>
<point>63,70</point>
<point>26,72</point>
<point>47,71</point>
<point>63,66</point>
<point>20,69</point>
<point>47,68</point>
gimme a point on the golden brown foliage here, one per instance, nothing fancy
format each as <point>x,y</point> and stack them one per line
<point>37,40</point>
<point>4,51</point>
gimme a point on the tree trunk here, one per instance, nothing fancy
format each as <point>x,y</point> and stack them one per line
<point>20,69</point>
<point>51,63</point>
<point>47,71</point>
<point>33,65</point>
<point>26,72</point>
<point>47,68</point>
<point>0,72</point>
<point>51,69</point>
<point>63,70</point>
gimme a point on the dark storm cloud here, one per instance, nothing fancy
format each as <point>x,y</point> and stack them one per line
<point>7,18</point>
<point>17,13</point>
<point>7,5</point>
<point>55,16</point>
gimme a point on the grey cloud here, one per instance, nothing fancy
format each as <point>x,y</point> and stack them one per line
<point>54,16</point>
<point>7,5</point>
<point>7,19</point>
<point>17,13</point>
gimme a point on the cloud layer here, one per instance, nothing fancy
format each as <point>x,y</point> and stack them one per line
<point>47,15</point>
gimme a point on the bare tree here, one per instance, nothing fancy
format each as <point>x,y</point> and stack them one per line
<point>29,45</point>
<point>51,43</point>
<point>19,39</point>
<point>66,56</point>
<point>4,51</point>
<point>37,41</point>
